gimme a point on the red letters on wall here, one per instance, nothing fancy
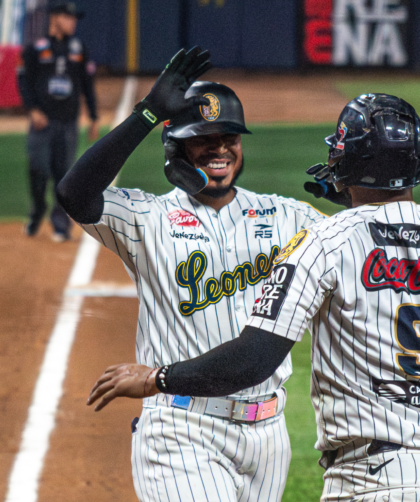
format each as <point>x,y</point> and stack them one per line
<point>317,31</point>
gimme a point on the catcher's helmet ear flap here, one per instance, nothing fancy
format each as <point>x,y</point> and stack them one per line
<point>224,115</point>
<point>375,144</point>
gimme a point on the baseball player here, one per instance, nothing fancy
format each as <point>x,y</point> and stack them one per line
<point>198,256</point>
<point>354,281</point>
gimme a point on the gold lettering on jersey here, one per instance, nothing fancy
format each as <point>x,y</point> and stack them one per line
<point>190,273</point>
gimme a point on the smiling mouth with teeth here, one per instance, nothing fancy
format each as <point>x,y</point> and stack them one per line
<point>217,165</point>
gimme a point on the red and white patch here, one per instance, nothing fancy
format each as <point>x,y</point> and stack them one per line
<point>183,219</point>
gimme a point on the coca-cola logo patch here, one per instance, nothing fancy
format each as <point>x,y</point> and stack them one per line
<point>400,275</point>
<point>183,218</point>
<point>403,235</point>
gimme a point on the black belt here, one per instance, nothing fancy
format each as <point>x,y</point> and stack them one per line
<point>375,448</point>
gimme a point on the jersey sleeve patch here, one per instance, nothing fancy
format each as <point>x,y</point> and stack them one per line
<point>291,246</point>
<point>274,292</point>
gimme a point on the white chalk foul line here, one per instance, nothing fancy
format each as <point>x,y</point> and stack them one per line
<point>29,462</point>
<point>23,483</point>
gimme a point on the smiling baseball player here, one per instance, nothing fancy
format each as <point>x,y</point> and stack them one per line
<point>198,256</point>
<point>354,281</point>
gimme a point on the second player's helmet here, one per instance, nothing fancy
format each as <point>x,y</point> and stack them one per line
<point>375,144</point>
<point>224,114</point>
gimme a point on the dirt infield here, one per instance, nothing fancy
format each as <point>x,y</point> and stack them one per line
<point>89,454</point>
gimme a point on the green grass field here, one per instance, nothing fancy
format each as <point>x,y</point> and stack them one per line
<point>275,161</point>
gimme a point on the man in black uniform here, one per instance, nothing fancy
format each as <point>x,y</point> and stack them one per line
<point>56,70</point>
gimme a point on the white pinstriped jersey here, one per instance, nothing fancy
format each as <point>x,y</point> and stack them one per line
<point>354,281</point>
<point>197,272</point>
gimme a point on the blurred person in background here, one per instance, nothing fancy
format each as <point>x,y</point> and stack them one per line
<point>55,71</point>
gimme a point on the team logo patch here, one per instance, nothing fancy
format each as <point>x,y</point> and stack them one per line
<point>274,292</point>
<point>212,111</point>
<point>183,218</point>
<point>260,213</point>
<point>343,133</point>
<point>291,246</point>
<point>404,235</point>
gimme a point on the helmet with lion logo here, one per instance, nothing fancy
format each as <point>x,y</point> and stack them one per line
<point>224,114</point>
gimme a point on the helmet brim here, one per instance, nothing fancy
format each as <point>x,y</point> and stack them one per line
<point>189,131</point>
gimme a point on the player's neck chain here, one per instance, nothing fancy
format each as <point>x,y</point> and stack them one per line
<point>190,273</point>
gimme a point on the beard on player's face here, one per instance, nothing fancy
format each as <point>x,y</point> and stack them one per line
<point>220,157</point>
<point>219,192</point>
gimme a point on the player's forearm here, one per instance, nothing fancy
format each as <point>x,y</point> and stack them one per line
<point>80,191</point>
<point>242,363</point>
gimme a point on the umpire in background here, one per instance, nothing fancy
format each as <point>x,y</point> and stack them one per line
<point>56,70</point>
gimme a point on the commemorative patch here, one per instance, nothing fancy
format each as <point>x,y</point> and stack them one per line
<point>212,111</point>
<point>274,292</point>
<point>291,246</point>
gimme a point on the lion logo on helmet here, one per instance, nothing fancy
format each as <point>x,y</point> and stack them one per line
<point>212,111</point>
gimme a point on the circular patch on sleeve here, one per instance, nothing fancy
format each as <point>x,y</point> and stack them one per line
<point>291,246</point>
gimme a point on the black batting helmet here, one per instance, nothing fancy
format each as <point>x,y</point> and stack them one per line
<point>375,144</point>
<point>223,115</point>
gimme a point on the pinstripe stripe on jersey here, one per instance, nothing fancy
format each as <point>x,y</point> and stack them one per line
<point>353,328</point>
<point>135,226</point>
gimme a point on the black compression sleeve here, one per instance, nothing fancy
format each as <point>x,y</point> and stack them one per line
<point>244,362</point>
<point>80,191</point>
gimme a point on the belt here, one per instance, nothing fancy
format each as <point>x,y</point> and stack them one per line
<point>375,448</point>
<point>238,411</point>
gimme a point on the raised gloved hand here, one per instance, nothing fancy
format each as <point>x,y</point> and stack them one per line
<point>179,172</point>
<point>323,186</point>
<point>166,99</point>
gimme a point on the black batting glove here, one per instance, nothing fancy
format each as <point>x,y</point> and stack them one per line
<point>323,186</point>
<point>166,99</point>
<point>179,172</point>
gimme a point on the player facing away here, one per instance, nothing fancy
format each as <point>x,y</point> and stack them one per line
<point>198,256</point>
<point>354,281</point>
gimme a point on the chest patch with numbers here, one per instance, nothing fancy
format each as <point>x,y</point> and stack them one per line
<point>274,292</point>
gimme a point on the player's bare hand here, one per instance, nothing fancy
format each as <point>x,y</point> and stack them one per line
<point>39,120</point>
<point>123,380</point>
<point>167,96</point>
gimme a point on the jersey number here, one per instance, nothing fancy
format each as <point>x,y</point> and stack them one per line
<point>407,332</point>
